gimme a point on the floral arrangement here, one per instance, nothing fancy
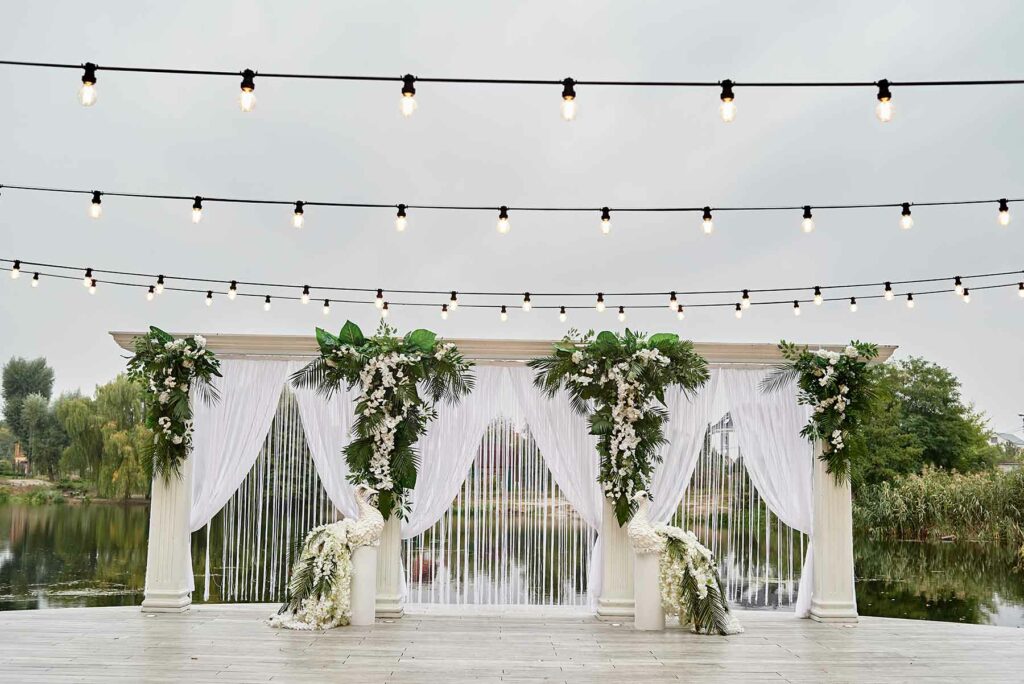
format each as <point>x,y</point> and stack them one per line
<point>615,381</point>
<point>168,369</point>
<point>691,586</point>
<point>390,413</point>
<point>320,589</point>
<point>838,388</point>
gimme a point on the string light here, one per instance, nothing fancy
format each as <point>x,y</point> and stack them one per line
<point>568,99</point>
<point>796,308</point>
<point>600,302</point>
<point>96,206</point>
<point>906,220</point>
<point>910,301</point>
<point>745,300</point>
<point>453,302</point>
<point>818,299</point>
<point>622,314</point>
<point>444,312</point>
<point>197,209</point>
<point>385,310</point>
<point>673,301</point>
<point>378,301</point>
<point>92,286</point>
<point>958,285</point>
<point>247,98</point>
<point>327,307</point>
<point>305,294</point>
<point>883,110</point>
<point>503,314</point>
<point>708,223</point>
<point>299,215</point>
<point>527,304</point>
<point>16,270</point>
<point>35,280</point>
<point>408,103</point>
<point>209,298</point>
<point>1004,212</point>
<point>400,219</point>
<point>606,220</point>
<point>160,285</point>
<point>88,277</point>
<point>1020,290</point>
<point>853,304</point>
<point>503,224</point>
<point>233,290</point>
<point>807,224</point>
<point>739,311</point>
<point>728,107</point>
<point>888,291</point>
<point>680,314</point>
<point>266,303</point>
<point>562,316</point>
<point>87,93</point>
<point>967,295</point>
<point>150,293</point>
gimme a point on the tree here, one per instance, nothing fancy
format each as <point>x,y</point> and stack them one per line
<point>22,378</point>
<point>78,417</point>
<point>7,442</point>
<point>45,435</point>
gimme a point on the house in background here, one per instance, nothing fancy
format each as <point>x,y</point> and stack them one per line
<point>1009,442</point>
<point>21,464</point>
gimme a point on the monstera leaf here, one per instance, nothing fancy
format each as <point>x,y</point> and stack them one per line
<point>351,334</point>
<point>423,340</point>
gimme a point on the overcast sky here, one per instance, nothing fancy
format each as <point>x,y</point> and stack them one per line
<point>508,145</point>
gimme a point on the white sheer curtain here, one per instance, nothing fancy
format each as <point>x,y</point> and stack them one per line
<point>778,459</point>
<point>687,424</point>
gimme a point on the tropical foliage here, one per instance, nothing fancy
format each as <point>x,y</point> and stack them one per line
<point>837,386</point>
<point>615,381</point>
<point>168,370</point>
<point>320,588</point>
<point>691,586</point>
<point>391,415</point>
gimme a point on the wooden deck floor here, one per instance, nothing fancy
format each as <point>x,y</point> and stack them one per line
<point>230,644</point>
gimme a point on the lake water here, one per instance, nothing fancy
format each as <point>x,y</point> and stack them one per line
<point>95,555</point>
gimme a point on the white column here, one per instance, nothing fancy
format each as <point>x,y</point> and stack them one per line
<point>616,601</point>
<point>389,571</point>
<point>650,616</point>
<point>833,599</point>
<point>169,555</point>
<point>364,585</point>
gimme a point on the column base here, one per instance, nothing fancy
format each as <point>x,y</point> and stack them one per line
<point>389,607</point>
<point>166,602</point>
<point>615,609</point>
<point>835,611</point>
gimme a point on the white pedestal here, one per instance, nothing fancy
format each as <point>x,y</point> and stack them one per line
<point>364,585</point>
<point>833,599</point>
<point>389,571</point>
<point>647,592</point>
<point>169,554</point>
<point>616,600</point>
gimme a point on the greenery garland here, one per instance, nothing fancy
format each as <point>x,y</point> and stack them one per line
<point>837,386</point>
<point>390,413</point>
<point>691,586</point>
<point>614,380</point>
<point>168,368</point>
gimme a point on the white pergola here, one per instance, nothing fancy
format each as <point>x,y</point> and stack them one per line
<point>168,577</point>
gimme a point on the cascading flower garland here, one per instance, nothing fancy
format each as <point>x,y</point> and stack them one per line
<point>390,413</point>
<point>691,586</point>
<point>837,386</point>
<point>615,380</point>
<point>168,369</point>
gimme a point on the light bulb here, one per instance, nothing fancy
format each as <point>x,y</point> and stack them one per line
<point>87,93</point>
<point>680,314</point>
<point>910,301</point>
<point>527,304</point>
<point>444,312</point>
<point>96,206</point>
<point>888,291</point>
<point>35,280</point>
<point>622,315</point>
<point>92,286</point>
<point>503,314</point>
<point>883,110</point>
<point>745,300</point>
<point>600,302</point>
<point>503,224</point>
<point>967,296</point>
<point>453,302</point>
<point>88,277</point>
<point>739,311</point>
<point>209,298</point>
<point>1004,213</point>
<point>562,316</point>
<point>299,215</point>
<point>817,296</point>
<point>408,104</point>
<point>568,99</point>
<point>673,301</point>
<point>16,270</point>
<point>233,290</point>
<point>400,219</point>
<point>708,223</point>
<point>378,301</point>
<point>807,224</point>
<point>197,210</point>
<point>1020,290</point>
<point>385,310</point>
<point>305,294</point>
<point>247,98</point>
<point>150,293</point>
<point>159,285</point>
<point>728,107</point>
<point>606,221</point>
<point>327,307</point>
<point>796,308</point>
<point>906,219</point>
<point>958,285</point>
<point>853,304</point>
<point>266,303</point>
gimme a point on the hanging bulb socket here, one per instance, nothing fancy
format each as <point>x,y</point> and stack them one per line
<point>92,286</point>
<point>385,310</point>
<point>150,293</point>
<point>600,302</point>
<point>739,310</point>
<point>408,103</point>
<point>958,285</point>
<point>503,314</point>
<point>247,98</point>
<point>197,209</point>
<point>807,224</point>
<point>622,314</point>
<point>35,280</point>
<point>708,222</point>
<point>796,308</point>
<point>400,219</point>
<point>266,303</point>
<point>503,222</point>
<point>527,304</point>
<point>910,300</point>
<point>680,314</point>
<point>853,304</point>
<point>16,270</point>
<point>568,99</point>
<point>967,295</point>
<point>888,291</point>
<point>327,307</point>
<point>160,284</point>
<point>883,110</point>
<point>378,300</point>
<point>906,218</point>
<point>305,294</point>
<point>884,94</point>
<point>818,299</point>
<point>453,302</point>
<point>444,312</point>
<point>233,290</point>
<point>89,74</point>
<point>1020,290</point>
<point>87,278</point>
<point>209,298</point>
<point>87,93</point>
<point>728,106</point>
<point>745,299</point>
<point>606,220</point>
<point>562,315</point>
<point>1004,212</point>
<point>673,301</point>
<point>299,215</point>
<point>96,206</point>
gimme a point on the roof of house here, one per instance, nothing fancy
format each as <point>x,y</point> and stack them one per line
<point>1011,438</point>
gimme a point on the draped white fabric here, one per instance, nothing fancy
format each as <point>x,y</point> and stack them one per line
<point>328,426</point>
<point>778,459</point>
<point>685,430</point>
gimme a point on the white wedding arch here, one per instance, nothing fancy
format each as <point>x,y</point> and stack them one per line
<point>780,464</point>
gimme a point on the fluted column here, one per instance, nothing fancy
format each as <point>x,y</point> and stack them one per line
<point>389,571</point>
<point>616,600</point>
<point>169,554</point>
<point>833,599</point>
